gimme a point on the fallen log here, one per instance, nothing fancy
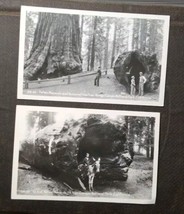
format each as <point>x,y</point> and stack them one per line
<point>59,149</point>
<point>132,63</point>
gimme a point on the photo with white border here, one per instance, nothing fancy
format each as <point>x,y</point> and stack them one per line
<point>75,154</point>
<point>92,56</point>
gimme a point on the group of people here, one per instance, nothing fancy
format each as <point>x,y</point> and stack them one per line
<point>142,81</point>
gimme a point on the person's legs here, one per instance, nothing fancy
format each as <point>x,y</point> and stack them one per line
<point>142,89</point>
<point>139,89</point>
<point>97,81</point>
<point>131,90</point>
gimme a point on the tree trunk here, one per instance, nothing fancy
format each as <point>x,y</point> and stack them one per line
<point>153,36</point>
<point>88,60</point>
<point>143,35</point>
<point>152,139</point>
<point>133,34</point>
<point>114,44</point>
<point>136,34</point>
<point>106,45</point>
<point>147,138</point>
<point>93,44</point>
<point>152,152</point>
<point>81,32</point>
<point>56,47</point>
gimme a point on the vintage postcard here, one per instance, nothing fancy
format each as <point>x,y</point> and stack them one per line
<point>92,56</point>
<point>73,154</point>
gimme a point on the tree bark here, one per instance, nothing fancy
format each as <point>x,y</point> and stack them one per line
<point>88,60</point>
<point>89,54</point>
<point>81,32</point>
<point>152,139</point>
<point>56,47</point>
<point>93,44</point>
<point>106,45</point>
<point>133,34</point>
<point>147,139</point>
<point>114,44</point>
<point>136,34</point>
<point>153,36</point>
<point>143,35</point>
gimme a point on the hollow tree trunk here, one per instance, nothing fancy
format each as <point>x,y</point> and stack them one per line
<point>56,47</point>
<point>132,63</point>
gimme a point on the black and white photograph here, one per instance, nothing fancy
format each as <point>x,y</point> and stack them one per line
<point>92,56</point>
<point>74,154</point>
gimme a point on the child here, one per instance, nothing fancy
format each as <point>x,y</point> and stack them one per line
<point>132,86</point>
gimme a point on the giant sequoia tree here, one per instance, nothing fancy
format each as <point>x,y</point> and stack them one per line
<point>56,47</point>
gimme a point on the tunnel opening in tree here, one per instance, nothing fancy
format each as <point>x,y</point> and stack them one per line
<point>132,63</point>
<point>105,138</point>
<point>134,66</point>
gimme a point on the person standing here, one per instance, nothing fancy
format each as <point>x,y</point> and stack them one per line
<point>97,78</point>
<point>86,160</point>
<point>83,167</point>
<point>132,86</point>
<point>142,81</point>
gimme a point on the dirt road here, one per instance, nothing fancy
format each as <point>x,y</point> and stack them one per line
<point>138,185</point>
<point>84,87</point>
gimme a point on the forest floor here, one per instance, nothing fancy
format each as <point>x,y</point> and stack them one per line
<point>84,87</point>
<point>138,185</point>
